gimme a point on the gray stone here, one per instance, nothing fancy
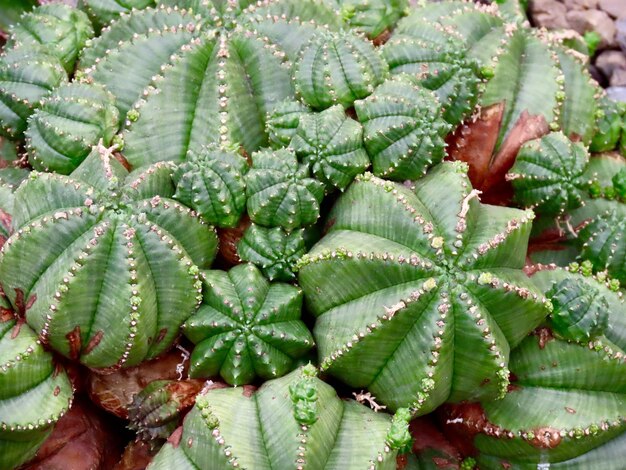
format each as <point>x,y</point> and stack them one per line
<point>584,21</point>
<point>610,61</point>
<point>618,78</point>
<point>617,93</point>
<point>615,8</point>
<point>581,4</point>
<point>549,13</point>
<point>620,35</point>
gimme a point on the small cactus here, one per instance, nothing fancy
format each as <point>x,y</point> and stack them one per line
<point>246,327</point>
<point>373,17</point>
<point>113,261</point>
<point>549,174</point>
<point>61,29</point>
<point>337,69</point>
<point>68,124</point>
<point>34,393</point>
<point>280,192</point>
<point>609,121</point>
<point>212,183</point>
<point>273,250</point>
<point>403,129</point>
<point>296,421</point>
<point>283,122</point>
<point>402,272</point>
<point>331,143</point>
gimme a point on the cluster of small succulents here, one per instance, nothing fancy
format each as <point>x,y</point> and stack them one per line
<point>259,232</point>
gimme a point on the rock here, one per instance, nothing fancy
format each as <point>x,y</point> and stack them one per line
<point>620,35</point>
<point>615,8</point>
<point>584,21</point>
<point>617,93</point>
<point>610,61</point>
<point>549,14</point>
<point>618,79</point>
<point>581,4</point>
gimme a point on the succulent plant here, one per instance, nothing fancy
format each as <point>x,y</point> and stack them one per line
<point>226,64</point>
<point>403,129</point>
<point>61,29</point>
<point>549,174</point>
<point>26,75</point>
<point>609,124</point>
<point>103,12</point>
<point>337,68</point>
<point>418,293</point>
<point>212,183</point>
<point>273,250</point>
<point>283,122</point>
<point>373,17</point>
<point>280,192</point>
<point>68,124</point>
<point>156,411</point>
<point>296,421</point>
<point>113,261</point>
<point>246,327</point>
<point>331,143</point>
<point>34,392</point>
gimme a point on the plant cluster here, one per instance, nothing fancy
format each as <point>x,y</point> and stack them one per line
<point>222,220</point>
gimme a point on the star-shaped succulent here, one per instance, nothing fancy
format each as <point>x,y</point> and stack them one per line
<point>419,293</point>
<point>246,327</point>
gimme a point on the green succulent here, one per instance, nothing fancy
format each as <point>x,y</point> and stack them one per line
<point>609,122</point>
<point>331,143</point>
<point>246,327</point>
<point>419,293</point>
<point>337,69</point>
<point>403,129</point>
<point>112,261</point>
<point>283,122</point>
<point>61,29</point>
<point>280,192</point>
<point>296,421</point>
<point>373,17</point>
<point>273,250</point>
<point>212,183</point>
<point>70,121</point>
<point>34,392</point>
<point>549,174</point>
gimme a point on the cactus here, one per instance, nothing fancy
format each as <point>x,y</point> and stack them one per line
<point>61,29</point>
<point>331,143</point>
<point>34,392</point>
<point>609,122</point>
<point>156,411</point>
<point>283,122</point>
<point>280,192</point>
<point>212,183</point>
<point>296,421</point>
<point>246,327</point>
<point>68,124</point>
<point>273,250</point>
<point>103,12</point>
<point>418,293</point>
<point>113,261</point>
<point>26,76</point>
<point>337,68</point>
<point>548,174</point>
<point>226,64</point>
<point>403,129</point>
<point>373,17</point>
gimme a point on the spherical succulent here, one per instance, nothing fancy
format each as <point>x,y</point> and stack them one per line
<point>102,12</point>
<point>331,143</point>
<point>403,129</point>
<point>26,76</point>
<point>61,29</point>
<point>212,183</point>
<point>296,421</point>
<point>188,73</point>
<point>549,174</point>
<point>283,122</point>
<point>337,68</point>
<point>609,124</point>
<point>246,327</point>
<point>112,261</point>
<point>373,17</point>
<point>280,192</point>
<point>34,392</point>
<point>69,122</point>
<point>418,293</point>
<point>273,250</point>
